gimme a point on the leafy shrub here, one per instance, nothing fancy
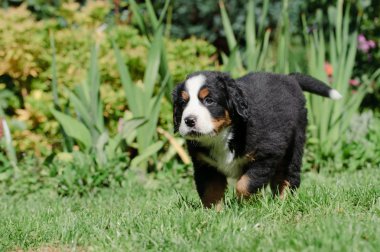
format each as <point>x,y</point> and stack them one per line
<point>26,68</point>
<point>329,120</point>
<point>25,178</point>
<point>80,173</point>
<point>65,174</point>
<point>202,18</point>
<point>332,119</point>
<point>361,148</point>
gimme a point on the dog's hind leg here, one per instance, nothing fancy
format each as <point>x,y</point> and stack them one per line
<point>294,167</point>
<point>279,182</point>
<point>288,174</point>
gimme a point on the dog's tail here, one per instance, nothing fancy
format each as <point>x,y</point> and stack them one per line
<point>312,85</point>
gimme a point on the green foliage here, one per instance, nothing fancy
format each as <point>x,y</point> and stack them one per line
<point>75,173</point>
<point>80,173</point>
<point>156,27</point>
<point>256,50</point>
<point>74,129</point>
<point>26,178</point>
<point>89,131</point>
<point>201,18</point>
<point>141,99</point>
<point>361,147</point>
<point>258,54</point>
<point>26,66</point>
<point>331,119</point>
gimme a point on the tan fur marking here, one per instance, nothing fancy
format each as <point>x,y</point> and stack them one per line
<point>221,123</point>
<point>203,93</point>
<point>242,187</point>
<point>185,95</point>
<point>227,116</point>
<point>251,155</point>
<point>284,186</point>
<point>214,193</point>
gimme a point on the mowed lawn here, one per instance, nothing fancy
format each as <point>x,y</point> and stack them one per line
<point>339,212</point>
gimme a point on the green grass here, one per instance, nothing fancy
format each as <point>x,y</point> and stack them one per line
<point>338,212</point>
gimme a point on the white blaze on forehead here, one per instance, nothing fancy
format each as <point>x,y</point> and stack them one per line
<point>195,108</point>
<point>194,84</point>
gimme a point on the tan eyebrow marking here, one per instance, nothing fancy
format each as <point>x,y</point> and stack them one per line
<point>185,95</point>
<point>203,93</point>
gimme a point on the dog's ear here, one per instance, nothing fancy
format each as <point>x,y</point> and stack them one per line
<point>236,102</point>
<point>177,109</point>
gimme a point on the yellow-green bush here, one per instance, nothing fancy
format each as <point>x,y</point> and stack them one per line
<point>26,60</point>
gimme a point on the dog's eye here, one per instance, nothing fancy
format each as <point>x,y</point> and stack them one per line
<point>208,101</point>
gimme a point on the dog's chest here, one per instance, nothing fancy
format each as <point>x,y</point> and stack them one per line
<point>222,158</point>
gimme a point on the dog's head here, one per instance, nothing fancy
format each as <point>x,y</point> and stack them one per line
<point>207,102</point>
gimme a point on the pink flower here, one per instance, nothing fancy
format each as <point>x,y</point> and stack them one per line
<point>365,45</point>
<point>354,82</point>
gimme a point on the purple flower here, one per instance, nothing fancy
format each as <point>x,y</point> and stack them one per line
<point>365,45</point>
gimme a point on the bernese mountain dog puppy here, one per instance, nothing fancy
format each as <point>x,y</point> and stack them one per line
<point>251,129</point>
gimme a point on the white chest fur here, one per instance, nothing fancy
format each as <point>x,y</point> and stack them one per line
<point>221,156</point>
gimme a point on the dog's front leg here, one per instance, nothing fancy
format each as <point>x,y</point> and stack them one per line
<point>210,184</point>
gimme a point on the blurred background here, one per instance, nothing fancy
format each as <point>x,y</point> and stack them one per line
<point>85,86</point>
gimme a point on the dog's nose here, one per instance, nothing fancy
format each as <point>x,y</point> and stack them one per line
<point>190,121</point>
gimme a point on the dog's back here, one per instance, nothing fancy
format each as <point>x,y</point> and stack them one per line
<point>276,105</point>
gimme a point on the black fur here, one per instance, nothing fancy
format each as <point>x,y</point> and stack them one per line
<point>269,121</point>
<point>177,106</point>
<point>236,102</point>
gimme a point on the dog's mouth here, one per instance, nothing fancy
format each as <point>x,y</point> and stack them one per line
<point>196,135</point>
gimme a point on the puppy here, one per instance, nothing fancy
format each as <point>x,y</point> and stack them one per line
<point>251,129</point>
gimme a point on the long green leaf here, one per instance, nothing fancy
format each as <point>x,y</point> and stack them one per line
<point>74,128</point>
<point>149,129</point>
<point>264,13</point>
<point>128,129</point>
<point>154,58</point>
<point>164,11</point>
<point>138,17</point>
<point>126,81</point>
<point>264,51</point>
<point>101,154</point>
<point>54,81</point>
<point>250,36</point>
<point>131,125</point>
<point>231,40</point>
<point>151,150</point>
<point>152,14</point>
<point>81,109</point>
<point>93,81</point>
